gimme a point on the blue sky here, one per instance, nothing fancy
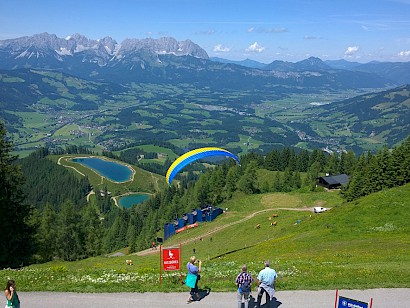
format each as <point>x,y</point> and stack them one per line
<point>262,30</point>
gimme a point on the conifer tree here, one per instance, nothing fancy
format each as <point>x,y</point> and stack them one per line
<point>69,237</point>
<point>47,233</point>
<point>312,174</point>
<point>231,180</point>
<point>277,182</point>
<point>248,183</point>
<point>302,161</point>
<point>332,166</point>
<point>347,162</point>
<point>93,232</point>
<point>16,237</point>
<point>355,188</point>
<point>272,161</point>
<point>218,178</point>
<point>400,162</point>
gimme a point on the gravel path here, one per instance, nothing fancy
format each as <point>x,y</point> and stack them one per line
<point>393,298</point>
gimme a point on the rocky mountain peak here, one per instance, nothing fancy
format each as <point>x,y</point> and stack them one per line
<point>164,45</point>
<point>312,63</point>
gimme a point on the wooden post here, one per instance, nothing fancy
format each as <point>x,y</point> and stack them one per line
<point>180,264</point>
<point>337,291</point>
<point>160,264</point>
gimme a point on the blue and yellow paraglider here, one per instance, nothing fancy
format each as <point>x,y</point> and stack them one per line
<point>192,156</point>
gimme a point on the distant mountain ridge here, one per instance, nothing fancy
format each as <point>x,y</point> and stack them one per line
<point>167,60</point>
<point>104,50</point>
<point>398,72</point>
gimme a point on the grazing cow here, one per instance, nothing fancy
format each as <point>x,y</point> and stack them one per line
<point>275,215</point>
<point>129,262</point>
<point>258,226</point>
<point>273,223</point>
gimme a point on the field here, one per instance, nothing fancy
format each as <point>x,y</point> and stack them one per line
<point>72,111</point>
<point>359,245</point>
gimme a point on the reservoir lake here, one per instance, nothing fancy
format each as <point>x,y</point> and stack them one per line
<point>111,170</point>
<point>129,200</point>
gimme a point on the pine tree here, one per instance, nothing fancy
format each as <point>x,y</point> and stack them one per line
<point>248,183</point>
<point>272,161</point>
<point>302,161</point>
<point>16,237</point>
<point>312,175</point>
<point>93,231</point>
<point>277,182</point>
<point>332,166</point>
<point>47,234</point>
<point>347,162</point>
<point>355,188</point>
<point>217,181</point>
<point>70,246</point>
<point>202,189</point>
<point>400,162</point>
<point>231,180</point>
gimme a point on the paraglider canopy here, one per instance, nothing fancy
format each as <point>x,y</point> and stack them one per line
<point>192,156</point>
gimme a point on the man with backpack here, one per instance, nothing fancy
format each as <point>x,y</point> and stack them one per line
<point>244,281</point>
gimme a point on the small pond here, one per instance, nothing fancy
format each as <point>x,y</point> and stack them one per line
<point>111,170</point>
<point>129,200</point>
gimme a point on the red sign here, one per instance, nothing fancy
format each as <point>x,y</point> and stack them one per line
<point>171,259</point>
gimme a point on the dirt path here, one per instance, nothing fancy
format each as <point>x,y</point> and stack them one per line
<point>59,163</point>
<point>152,251</point>
<point>155,181</point>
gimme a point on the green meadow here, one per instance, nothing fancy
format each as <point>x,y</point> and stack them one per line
<point>359,245</point>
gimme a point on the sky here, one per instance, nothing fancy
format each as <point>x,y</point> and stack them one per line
<point>261,30</point>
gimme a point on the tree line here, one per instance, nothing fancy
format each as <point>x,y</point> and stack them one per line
<point>50,217</point>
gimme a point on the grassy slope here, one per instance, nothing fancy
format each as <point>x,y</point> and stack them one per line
<point>364,244</point>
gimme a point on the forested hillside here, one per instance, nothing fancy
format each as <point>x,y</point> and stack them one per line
<point>48,183</point>
<point>65,226</point>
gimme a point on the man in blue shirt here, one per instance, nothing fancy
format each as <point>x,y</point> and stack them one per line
<point>266,284</point>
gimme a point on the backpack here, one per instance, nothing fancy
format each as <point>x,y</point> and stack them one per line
<point>245,286</point>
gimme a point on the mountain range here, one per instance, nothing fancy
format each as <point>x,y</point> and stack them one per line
<point>397,72</point>
<point>171,61</point>
<point>162,89</point>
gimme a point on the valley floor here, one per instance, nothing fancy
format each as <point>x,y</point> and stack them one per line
<point>397,298</point>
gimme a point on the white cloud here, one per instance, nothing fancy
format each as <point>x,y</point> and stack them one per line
<point>310,37</point>
<point>267,30</point>
<point>350,51</point>
<point>255,47</point>
<point>274,30</point>
<point>404,53</point>
<point>207,32</point>
<point>221,48</point>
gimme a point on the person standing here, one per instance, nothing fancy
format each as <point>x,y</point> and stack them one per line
<point>244,281</point>
<point>266,284</point>
<point>13,300</point>
<point>194,270</point>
